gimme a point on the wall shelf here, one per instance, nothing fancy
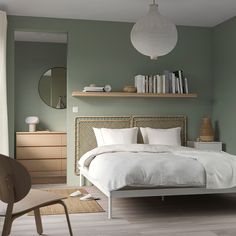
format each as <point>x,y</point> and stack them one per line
<point>134,95</point>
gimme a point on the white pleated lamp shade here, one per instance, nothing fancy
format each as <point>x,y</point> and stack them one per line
<point>154,35</point>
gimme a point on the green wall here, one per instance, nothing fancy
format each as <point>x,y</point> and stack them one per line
<point>31,61</point>
<point>225,83</point>
<point>101,53</point>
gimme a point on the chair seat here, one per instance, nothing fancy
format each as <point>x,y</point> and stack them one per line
<point>35,198</point>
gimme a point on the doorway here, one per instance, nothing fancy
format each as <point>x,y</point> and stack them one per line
<point>40,91</point>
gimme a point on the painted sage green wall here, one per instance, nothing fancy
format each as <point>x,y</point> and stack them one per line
<point>31,61</point>
<point>101,53</point>
<point>225,83</point>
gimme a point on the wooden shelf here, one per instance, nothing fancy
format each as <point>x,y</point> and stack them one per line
<point>138,95</point>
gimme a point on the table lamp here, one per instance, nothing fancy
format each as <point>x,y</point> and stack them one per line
<point>32,121</point>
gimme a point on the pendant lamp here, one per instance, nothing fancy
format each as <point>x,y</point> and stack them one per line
<point>154,35</point>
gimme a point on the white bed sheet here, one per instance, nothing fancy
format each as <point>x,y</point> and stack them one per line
<point>146,169</point>
<point>154,166</point>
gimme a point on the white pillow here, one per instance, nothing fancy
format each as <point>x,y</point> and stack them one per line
<point>163,136</point>
<point>98,135</point>
<point>106,136</point>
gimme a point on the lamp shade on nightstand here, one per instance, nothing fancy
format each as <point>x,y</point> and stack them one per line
<point>206,130</point>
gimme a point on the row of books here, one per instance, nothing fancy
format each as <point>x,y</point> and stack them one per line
<point>169,82</point>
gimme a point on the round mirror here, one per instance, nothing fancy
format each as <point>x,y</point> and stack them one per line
<point>52,87</point>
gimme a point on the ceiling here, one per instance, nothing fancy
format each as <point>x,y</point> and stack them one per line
<point>181,12</point>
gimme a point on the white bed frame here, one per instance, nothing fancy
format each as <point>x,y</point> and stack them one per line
<point>146,192</point>
<point>88,122</point>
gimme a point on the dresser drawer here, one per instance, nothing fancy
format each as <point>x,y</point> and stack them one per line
<point>63,164</point>
<point>63,152</point>
<point>48,174</point>
<point>39,140</point>
<point>42,165</point>
<point>40,152</point>
<point>64,139</point>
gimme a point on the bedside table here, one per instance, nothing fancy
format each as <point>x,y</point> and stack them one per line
<point>210,146</point>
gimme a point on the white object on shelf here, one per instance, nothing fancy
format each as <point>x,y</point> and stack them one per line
<point>210,146</point>
<point>93,89</point>
<point>107,88</point>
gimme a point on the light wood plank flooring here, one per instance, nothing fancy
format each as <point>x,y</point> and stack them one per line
<point>213,215</point>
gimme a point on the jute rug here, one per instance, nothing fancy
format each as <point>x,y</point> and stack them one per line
<point>74,205</point>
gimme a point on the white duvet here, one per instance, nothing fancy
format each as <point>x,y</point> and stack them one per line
<point>117,166</point>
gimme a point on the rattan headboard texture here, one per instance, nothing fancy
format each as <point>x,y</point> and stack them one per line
<point>85,139</point>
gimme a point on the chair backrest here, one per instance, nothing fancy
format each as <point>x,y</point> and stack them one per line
<point>14,180</point>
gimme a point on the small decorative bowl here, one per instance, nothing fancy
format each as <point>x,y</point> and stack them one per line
<point>130,89</point>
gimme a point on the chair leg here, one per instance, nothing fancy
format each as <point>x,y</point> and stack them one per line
<point>67,217</point>
<point>38,221</point>
<point>7,227</point>
<point>8,220</point>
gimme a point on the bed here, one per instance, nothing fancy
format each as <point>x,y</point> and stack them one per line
<point>85,142</point>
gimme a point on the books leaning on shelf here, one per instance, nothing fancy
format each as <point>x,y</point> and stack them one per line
<point>169,82</point>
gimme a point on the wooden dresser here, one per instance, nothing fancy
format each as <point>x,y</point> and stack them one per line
<point>43,154</point>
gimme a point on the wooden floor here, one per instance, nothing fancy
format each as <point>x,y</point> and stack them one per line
<point>177,216</point>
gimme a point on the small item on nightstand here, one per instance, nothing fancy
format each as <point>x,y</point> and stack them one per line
<point>130,89</point>
<point>206,130</point>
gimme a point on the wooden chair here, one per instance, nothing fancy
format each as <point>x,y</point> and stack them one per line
<point>17,197</point>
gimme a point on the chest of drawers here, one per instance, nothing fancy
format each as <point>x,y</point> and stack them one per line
<point>43,154</point>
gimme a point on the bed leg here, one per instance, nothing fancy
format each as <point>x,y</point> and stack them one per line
<point>109,207</point>
<point>162,198</point>
<point>81,180</point>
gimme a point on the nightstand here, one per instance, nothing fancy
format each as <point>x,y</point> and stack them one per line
<point>210,146</point>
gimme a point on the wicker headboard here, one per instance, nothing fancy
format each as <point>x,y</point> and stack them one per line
<point>85,139</point>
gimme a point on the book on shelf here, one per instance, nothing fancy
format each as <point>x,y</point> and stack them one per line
<point>173,83</point>
<point>150,84</point>
<point>168,81</point>
<point>146,84</point>
<point>159,84</point>
<point>163,78</point>
<point>154,84</point>
<point>179,75</point>
<point>177,85</point>
<point>186,85</point>
<point>140,83</point>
